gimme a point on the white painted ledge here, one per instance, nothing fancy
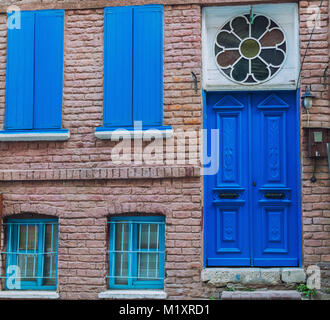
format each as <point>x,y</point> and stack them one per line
<point>133,294</point>
<point>35,136</point>
<point>115,135</point>
<point>52,295</point>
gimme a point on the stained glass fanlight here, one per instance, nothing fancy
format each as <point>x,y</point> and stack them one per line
<point>250,50</point>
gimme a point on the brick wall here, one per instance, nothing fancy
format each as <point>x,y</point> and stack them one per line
<point>76,180</point>
<point>83,208</point>
<point>315,196</point>
<point>83,90</point>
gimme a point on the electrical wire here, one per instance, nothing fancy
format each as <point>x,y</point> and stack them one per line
<point>310,39</point>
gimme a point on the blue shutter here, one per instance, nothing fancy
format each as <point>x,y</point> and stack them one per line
<point>48,69</point>
<point>118,67</point>
<point>20,71</point>
<point>148,66</point>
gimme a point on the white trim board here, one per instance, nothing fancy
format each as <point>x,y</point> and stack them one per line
<point>29,295</point>
<point>115,135</point>
<point>35,136</point>
<point>133,294</point>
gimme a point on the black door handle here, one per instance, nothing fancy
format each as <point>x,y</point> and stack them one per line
<point>233,195</point>
<point>275,195</point>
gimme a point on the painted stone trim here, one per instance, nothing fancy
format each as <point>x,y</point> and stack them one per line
<point>29,295</point>
<point>293,275</point>
<point>49,136</point>
<point>115,135</point>
<point>262,295</point>
<point>133,294</point>
<point>220,277</point>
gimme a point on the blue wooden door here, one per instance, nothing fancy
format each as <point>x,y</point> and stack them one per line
<point>252,202</point>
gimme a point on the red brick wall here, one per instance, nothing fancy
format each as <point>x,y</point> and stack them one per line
<point>315,196</point>
<point>64,178</point>
<point>83,207</point>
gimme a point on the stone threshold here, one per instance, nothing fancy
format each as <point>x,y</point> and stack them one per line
<point>261,295</point>
<point>221,277</point>
<point>157,172</point>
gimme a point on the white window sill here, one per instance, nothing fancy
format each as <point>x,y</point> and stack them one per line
<point>35,136</point>
<point>115,135</point>
<point>52,295</point>
<point>133,294</point>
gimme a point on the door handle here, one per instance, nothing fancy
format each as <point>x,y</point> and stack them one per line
<point>233,195</point>
<point>275,195</point>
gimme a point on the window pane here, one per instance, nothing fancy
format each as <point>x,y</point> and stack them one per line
<point>28,237</point>
<point>28,242</point>
<point>228,40</point>
<point>148,266</point>
<point>259,26</point>
<point>241,70</point>
<point>50,254</point>
<point>135,253</point>
<point>241,27</point>
<point>142,236</point>
<point>259,69</point>
<point>28,266</point>
<point>147,236</point>
<point>122,233</point>
<point>148,263</point>
<point>33,252</point>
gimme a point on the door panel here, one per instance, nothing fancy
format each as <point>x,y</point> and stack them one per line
<point>227,214</point>
<point>251,210</point>
<point>274,198</point>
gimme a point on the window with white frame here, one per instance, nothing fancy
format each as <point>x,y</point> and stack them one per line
<point>250,47</point>
<point>31,256</point>
<point>136,252</point>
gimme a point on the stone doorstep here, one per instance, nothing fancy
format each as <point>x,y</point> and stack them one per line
<point>220,277</point>
<point>261,295</point>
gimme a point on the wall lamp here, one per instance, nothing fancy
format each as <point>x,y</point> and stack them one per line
<point>307,99</point>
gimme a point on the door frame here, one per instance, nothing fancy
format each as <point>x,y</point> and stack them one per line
<point>298,178</point>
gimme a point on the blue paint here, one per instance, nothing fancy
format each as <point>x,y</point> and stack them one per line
<point>35,71</point>
<point>133,250</point>
<point>257,133</point>
<point>20,74</point>
<point>133,76</point>
<point>14,250</point>
<point>49,38</point>
<point>148,65</point>
<point>298,168</point>
<point>118,66</point>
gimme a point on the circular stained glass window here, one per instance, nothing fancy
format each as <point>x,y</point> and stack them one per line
<point>250,51</point>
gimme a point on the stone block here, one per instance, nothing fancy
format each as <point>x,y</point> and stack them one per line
<point>293,275</point>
